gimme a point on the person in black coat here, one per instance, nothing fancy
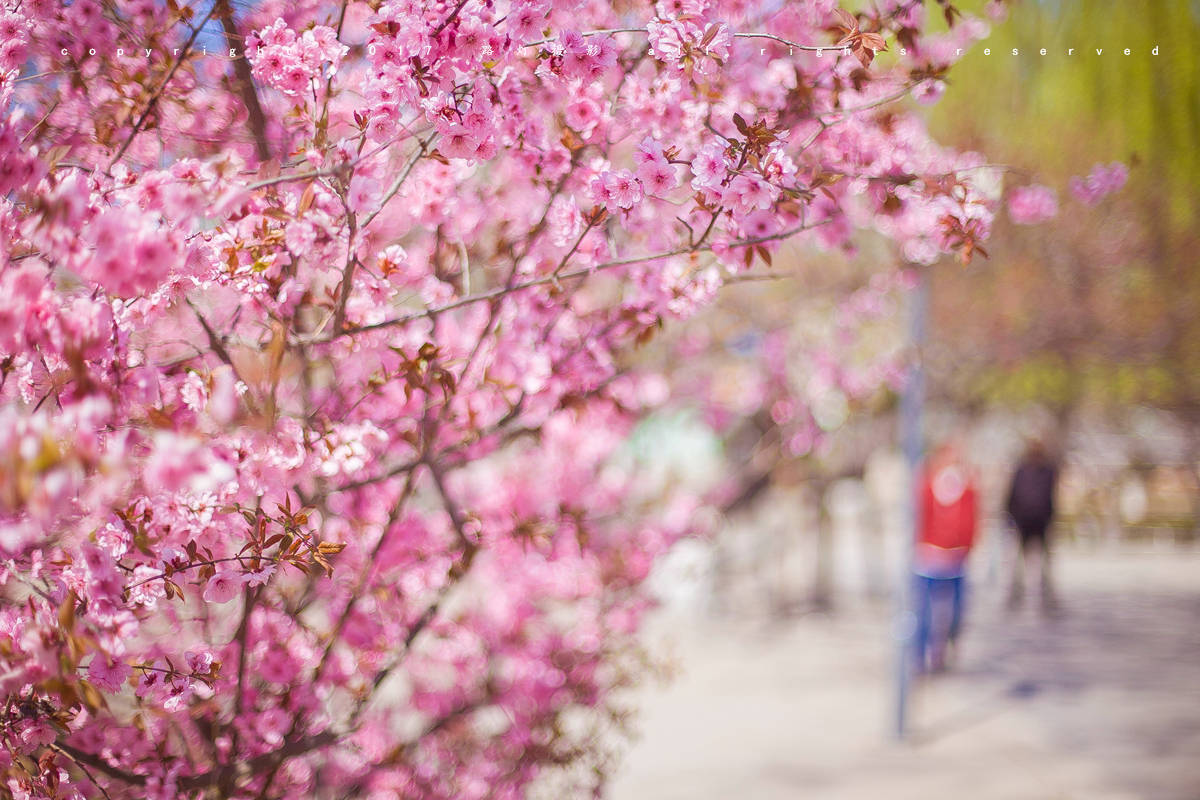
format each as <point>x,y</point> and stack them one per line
<point>1030,506</point>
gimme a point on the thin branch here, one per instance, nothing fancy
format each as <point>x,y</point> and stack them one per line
<point>839,114</point>
<point>449,19</point>
<point>202,564</point>
<point>36,75</point>
<point>456,518</point>
<point>252,765</point>
<point>329,171</point>
<point>249,600</point>
<point>399,469</point>
<point>602,32</point>
<point>217,343</point>
<point>493,310</point>
<point>501,291</point>
<point>38,124</point>
<point>891,98</point>
<point>794,45</point>
<point>162,86</point>
<point>256,119</point>
<point>347,284</point>
<point>336,633</point>
<point>214,341</point>
<point>82,768</point>
<point>457,571</point>
<point>578,241</point>
<point>80,757</point>
<point>814,48</point>
<point>395,187</point>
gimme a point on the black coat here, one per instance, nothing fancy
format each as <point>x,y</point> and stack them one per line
<point>1031,495</point>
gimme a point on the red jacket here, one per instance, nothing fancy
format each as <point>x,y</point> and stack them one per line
<point>946,522</point>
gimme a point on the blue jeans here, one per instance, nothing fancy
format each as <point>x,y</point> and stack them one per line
<point>929,645</point>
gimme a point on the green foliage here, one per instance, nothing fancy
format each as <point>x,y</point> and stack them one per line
<point>1064,112</point>
<point>1060,383</point>
<point>1099,304</point>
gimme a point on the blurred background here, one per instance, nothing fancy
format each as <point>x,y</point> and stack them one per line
<point>778,632</point>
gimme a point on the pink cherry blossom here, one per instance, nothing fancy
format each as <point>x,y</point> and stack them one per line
<point>649,152</point>
<point>458,142</point>
<point>928,92</point>
<point>108,674</point>
<point>363,193</point>
<point>623,187</point>
<point>710,166</point>
<point>526,21</point>
<point>259,576</point>
<point>36,733</point>
<point>223,586</point>
<point>1100,182</point>
<point>1029,205</point>
<point>667,40</point>
<point>657,178</point>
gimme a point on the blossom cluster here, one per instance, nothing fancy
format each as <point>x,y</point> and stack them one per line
<point>1101,181</point>
<point>315,377</point>
<point>1030,205</point>
<point>289,62</point>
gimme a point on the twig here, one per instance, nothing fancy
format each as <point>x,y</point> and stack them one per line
<point>403,176</point>
<point>449,19</point>
<point>501,291</point>
<point>38,124</point>
<point>795,45</point>
<point>814,48</point>
<point>210,561</point>
<point>251,765</point>
<point>82,767</point>
<point>347,284</point>
<point>162,86</point>
<point>334,634</point>
<point>80,757</point>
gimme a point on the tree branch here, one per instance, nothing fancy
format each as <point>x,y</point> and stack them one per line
<point>501,291</point>
<point>80,757</point>
<point>256,119</point>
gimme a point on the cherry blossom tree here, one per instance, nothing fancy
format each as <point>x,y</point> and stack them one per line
<point>315,327</point>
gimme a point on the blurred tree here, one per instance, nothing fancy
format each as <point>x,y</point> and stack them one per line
<point>1095,308</point>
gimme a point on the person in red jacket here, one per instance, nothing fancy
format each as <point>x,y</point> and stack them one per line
<point>947,521</point>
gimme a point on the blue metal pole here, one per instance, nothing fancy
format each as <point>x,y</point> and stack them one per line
<point>911,402</point>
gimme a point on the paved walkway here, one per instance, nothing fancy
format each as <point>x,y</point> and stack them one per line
<point>1100,704</point>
